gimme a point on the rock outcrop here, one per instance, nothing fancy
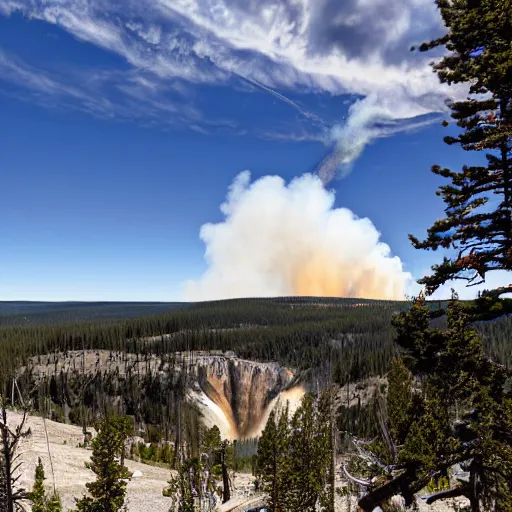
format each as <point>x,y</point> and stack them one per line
<point>235,394</point>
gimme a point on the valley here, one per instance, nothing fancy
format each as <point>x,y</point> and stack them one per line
<point>235,394</point>
<point>230,365</point>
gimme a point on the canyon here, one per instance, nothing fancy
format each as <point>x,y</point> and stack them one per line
<point>235,394</point>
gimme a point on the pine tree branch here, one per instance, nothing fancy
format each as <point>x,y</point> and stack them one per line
<point>448,493</point>
<point>497,292</point>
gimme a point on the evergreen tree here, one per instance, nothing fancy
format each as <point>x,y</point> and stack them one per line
<point>479,42</point>
<point>38,496</point>
<point>327,449</point>
<point>309,456</point>
<point>109,489</point>
<point>212,441</point>
<point>267,460</point>
<point>459,417</point>
<point>124,426</point>
<point>399,399</point>
<point>54,504</point>
<point>303,491</point>
<point>457,413</point>
<point>429,444</point>
<point>272,460</point>
<point>211,448</point>
<point>295,460</point>
<point>460,414</point>
<point>465,405</point>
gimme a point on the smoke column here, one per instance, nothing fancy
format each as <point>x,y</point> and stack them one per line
<point>281,239</point>
<point>374,117</point>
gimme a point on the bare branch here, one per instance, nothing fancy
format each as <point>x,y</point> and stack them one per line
<point>359,481</point>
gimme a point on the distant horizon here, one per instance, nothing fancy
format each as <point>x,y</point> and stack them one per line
<point>205,301</point>
<point>91,302</point>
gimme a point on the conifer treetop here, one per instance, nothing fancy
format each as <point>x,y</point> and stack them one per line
<point>477,225</point>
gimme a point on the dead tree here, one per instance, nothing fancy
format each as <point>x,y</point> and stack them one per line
<point>226,494</point>
<point>11,496</point>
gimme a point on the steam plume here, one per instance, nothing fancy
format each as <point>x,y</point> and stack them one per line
<point>281,240</point>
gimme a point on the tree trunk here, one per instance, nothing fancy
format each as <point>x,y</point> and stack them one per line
<point>6,455</point>
<point>332,442</point>
<point>473,486</point>
<point>275,497</point>
<point>226,492</point>
<point>506,184</point>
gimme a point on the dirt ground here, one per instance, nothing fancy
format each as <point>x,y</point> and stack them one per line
<point>144,493</point>
<point>71,475</point>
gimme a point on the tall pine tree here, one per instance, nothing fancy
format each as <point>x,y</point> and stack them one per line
<point>108,491</point>
<point>479,42</point>
<point>295,460</point>
<point>272,460</point>
<point>456,413</point>
<point>309,456</point>
<point>38,494</point>
<point>463,416</point>
<point>399,400</point>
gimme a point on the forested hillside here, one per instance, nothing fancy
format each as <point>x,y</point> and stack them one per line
<point>302,333</point>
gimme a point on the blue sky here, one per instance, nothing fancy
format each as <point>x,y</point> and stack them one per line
<point>122,131</point>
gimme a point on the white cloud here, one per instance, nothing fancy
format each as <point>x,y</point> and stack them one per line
<point>289,38</point>
<point>141,99</point>
<point>352,47</point>
<point>151,34</point>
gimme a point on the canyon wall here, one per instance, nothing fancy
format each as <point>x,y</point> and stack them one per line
<point>245,391</point>
<point>235,394</point>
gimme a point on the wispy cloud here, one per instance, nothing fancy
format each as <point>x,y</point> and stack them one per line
<point>38,84</point>
<point>355,47</point>
<point>375,117</point>
<point>305,113</point>
<point>295,135</point>
<point>139,98</point>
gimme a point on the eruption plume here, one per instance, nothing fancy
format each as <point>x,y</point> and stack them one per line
<point>282,240</point>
